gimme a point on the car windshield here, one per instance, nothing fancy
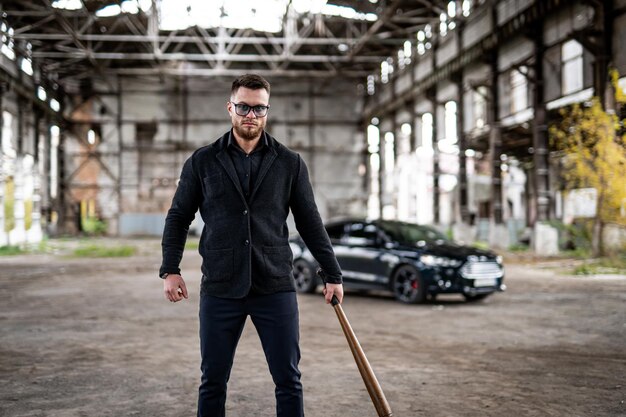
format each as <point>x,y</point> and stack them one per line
<point>411,233</point>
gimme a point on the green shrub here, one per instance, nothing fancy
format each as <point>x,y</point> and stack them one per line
<point>519,247</point>
<point>608,265</point>
<point>11,250</point>
<point>94,226</point>
<point>95,251</point>
<point>192,244</point>
<point>480,245</point>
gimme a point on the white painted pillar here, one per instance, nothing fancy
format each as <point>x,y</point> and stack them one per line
<point>4,238</point>
<point>18,234</point>
<point>35,234</point>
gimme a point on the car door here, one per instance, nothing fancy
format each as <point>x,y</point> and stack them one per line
<point>336,233</point>
<point>361,255</point>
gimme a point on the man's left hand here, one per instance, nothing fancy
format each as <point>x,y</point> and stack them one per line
<point>333,289</point>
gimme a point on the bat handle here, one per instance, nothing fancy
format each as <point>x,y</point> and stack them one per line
<point>320,272</point>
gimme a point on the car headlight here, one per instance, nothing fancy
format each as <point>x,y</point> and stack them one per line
<point>432,260</point>
<point>499,259</point>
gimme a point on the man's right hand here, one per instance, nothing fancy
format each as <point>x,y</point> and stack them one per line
<point>174,288</point>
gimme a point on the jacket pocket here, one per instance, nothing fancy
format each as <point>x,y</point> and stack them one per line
<point>219,265</point>
<point>278,261</point>
<point>213,185</point>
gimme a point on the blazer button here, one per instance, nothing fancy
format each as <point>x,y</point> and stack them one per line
<point>247,242</point>
<point>245,212</point>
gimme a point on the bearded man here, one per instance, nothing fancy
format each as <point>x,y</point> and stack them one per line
<point>244,185</point>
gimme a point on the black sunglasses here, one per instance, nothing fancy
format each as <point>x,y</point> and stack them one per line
<point>243,109</point>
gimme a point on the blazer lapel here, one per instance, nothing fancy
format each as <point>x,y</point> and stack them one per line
<point>268,160</point>
<point>227,163</point>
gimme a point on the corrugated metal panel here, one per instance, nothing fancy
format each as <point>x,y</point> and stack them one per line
<point>446,91</point>
<point>447,49</point>
<point>514,51</point>
<point>477,27</point>
<point>403,82</point>
<point>423,67</point>
<point>508,8</point>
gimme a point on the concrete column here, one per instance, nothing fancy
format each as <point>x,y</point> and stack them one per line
<point>545,237</point>
<point>4,238</point>
<point>120,150</point>
<point>3,235</point>
<point>605,16</point>
<point>381,169</point>
<point>311,132</point>
<point>365,160</point>
<point>460,122</point>
<point>498,233</point>
<point>45,172</point>
<point>413,138</point>
<point>18,234</point>
<point>495,136</point>
<point>432,97</point>
<point>20,126</point>
<point>540,133</point>
<point>34,234</point>
<point>61,205</point>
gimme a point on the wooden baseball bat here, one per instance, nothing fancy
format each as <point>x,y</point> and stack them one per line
<point>371,383</point>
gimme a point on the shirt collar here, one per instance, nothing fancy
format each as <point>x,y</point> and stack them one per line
<point>262,143</point>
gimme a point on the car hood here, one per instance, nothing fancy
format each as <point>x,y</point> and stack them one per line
<point>449,250</point>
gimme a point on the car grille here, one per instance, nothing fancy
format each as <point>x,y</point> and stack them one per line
<point>478,270</point>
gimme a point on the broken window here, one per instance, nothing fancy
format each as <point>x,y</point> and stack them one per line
<point>519,89</point>
<point>479,98</point>
<point>572,67</point>
<point>144,134</point>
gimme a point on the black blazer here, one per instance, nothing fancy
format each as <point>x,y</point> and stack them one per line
<point>242,236</point>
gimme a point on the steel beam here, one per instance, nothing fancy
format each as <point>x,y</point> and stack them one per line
<point>216,72</point>
<point>182,56</point>
<point>214,40</point>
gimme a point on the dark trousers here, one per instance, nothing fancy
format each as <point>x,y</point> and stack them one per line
<point>222,320</point>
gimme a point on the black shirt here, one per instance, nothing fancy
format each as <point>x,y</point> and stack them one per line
<point>247,165</point>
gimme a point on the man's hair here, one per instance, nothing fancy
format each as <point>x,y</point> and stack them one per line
<point>251,81</point>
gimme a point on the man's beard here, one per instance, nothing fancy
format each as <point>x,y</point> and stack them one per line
<point>248,132</point>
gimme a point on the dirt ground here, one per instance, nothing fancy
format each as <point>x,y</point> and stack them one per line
<point>96,337</point>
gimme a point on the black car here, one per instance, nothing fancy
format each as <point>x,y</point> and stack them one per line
<point>412,261</point>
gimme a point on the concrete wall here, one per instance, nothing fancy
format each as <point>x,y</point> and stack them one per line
<point>317,118</point>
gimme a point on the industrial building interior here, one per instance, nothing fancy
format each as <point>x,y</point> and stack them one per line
<point>391,103</point>
<point>435,112</point>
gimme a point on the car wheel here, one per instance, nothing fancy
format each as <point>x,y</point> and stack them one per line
<point>304,274</point>
<point>408,285</point>
<point>476,297</point>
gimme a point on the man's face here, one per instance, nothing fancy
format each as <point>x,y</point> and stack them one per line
<point>250,126</point>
